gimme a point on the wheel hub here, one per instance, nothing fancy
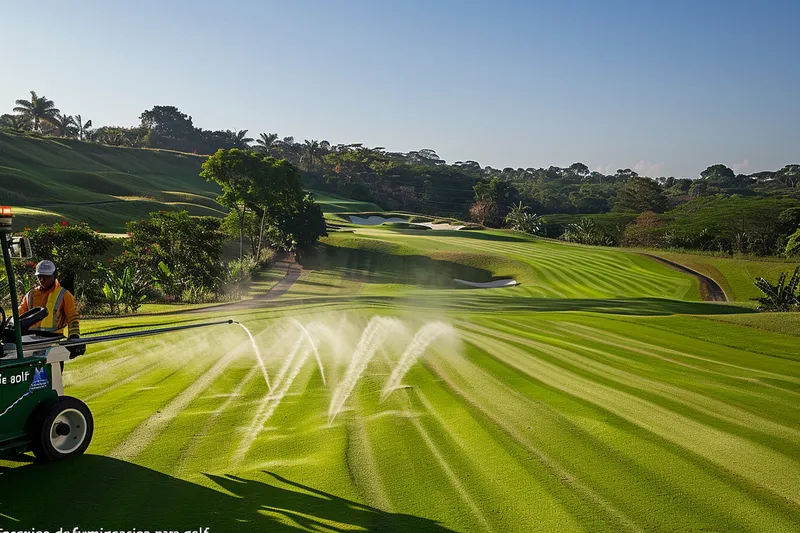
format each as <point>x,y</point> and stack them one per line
<point>68,431</point>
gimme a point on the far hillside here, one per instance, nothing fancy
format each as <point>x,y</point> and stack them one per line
<point>50,180</point>
<point>105,186</point>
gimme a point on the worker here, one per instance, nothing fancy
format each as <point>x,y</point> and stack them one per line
<point>59,302</point>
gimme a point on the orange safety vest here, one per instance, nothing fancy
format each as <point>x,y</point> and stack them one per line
<point>57,316</point>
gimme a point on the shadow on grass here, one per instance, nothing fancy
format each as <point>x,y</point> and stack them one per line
<point>504,304</point>
<point>482,236</point>
<point>105,492</point>
<point>373,266</point>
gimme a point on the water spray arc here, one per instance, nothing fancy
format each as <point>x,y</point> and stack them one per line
<point>314,325</point>
<point>368,344</point>
<point>291,367</point>
<point>258,354</point>
<point>424,337</point>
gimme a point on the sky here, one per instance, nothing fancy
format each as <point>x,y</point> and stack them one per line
<point>663,88</point>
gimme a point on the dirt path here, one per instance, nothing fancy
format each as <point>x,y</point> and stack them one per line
<point>710,290</point>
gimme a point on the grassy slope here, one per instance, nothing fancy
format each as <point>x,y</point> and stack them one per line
<point>59,179</point>
<point>735,276</point>
<point>336,204</point>
<point>49,180</point>
<point>548,417</point>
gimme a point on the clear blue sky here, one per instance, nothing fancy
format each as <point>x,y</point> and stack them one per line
<point>665,87</point>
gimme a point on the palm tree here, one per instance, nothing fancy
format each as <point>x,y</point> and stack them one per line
<point>241,140</point>
<point>14,123</point>
<point>265,142</point>
<point>310,151</point>
<point>65,125</point>
<point>36,110</point>
<point>82,127</point>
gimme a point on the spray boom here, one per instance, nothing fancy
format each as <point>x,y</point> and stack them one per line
<point>119,336</point>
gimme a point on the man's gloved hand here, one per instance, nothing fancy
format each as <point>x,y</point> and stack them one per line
<point>75,351</point>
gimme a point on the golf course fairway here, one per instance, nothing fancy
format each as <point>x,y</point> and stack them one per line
<point>600,394</point>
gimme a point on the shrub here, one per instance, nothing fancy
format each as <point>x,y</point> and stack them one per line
<point>74,249</point>
<point>126,287</point>
<point>780,297</point>
<point>793,244</point>
<point>521,219</point>
<point>587,232</point>
<point>190,248</point>
<point>237,277</point>
<point>646,231</point>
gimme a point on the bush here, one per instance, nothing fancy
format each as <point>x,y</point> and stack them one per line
<point>126,286</point>
<point>522,219</point>
<point>793,244</point>
<point>237,277</point>
<point>647,231</point>
<point>780,297</point>
<point>587,232</point>
<point>189,247</point>
<point>74,249</point>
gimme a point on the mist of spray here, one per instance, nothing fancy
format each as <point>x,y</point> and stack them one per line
<point>424,337</point>
<point>368,344</point>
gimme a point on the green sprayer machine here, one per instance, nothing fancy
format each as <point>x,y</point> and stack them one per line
<point>35,415</point>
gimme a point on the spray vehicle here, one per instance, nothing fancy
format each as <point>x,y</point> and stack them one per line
<point>35,415</point>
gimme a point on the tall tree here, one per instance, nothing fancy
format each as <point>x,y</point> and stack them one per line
<point>639,195</point>
<point>265,142</point>
<point>37,110</point>
<point>82,128</point>
<point>65,125</point>
<point>15,123</point>
<point>311,153</point>
<point>251,182</point>
<point>718,172</point>
<point>241,140</point>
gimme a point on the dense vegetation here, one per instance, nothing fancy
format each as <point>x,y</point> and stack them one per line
<point>718,211</point>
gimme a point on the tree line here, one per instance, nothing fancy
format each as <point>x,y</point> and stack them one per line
<point>575,203</point>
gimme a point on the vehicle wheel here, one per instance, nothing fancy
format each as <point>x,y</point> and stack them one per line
<point>62,429</point>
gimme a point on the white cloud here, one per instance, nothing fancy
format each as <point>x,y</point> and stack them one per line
<point>740,168</point>
<point>646,168</point>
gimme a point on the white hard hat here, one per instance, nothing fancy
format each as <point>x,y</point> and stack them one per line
<point>46,268</point>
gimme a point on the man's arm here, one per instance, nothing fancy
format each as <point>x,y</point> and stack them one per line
<point>23,307</point>
<point>70,311</point>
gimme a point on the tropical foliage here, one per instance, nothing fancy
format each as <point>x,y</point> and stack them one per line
<point>719,210</point>
<point>521,218</point>
<point>587,232</point>
<point>782,296</point>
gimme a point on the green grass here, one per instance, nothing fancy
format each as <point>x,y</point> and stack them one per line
<point>50,180</point>
<point>63,179</point>
<point>735,276</point>
<point>599,395</point>
<point>331,203</point>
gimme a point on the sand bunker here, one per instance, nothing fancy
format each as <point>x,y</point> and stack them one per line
<point>377,221</point>
<point>439,226</point>
<point>489,284</point>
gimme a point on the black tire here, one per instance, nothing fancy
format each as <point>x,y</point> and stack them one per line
<point>62,428</point>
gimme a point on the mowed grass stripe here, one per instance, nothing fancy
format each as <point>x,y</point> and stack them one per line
<point>744,458</point>
<point>697,406</point>
<point>594,278</point>
<point>776,407</point>
<point>674,490</point>
<point>502,408</point>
